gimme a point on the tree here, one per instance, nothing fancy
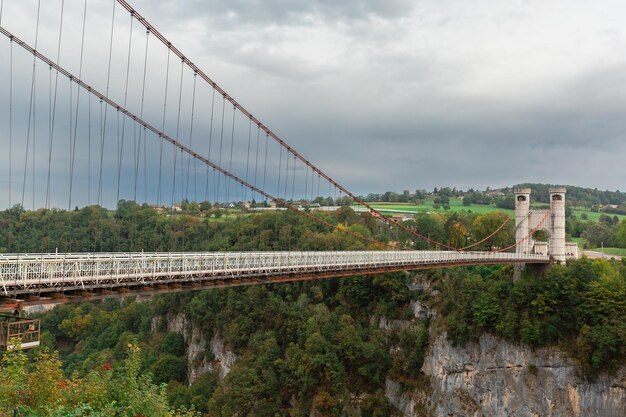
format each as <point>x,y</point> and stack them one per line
<point>620,234</point>
<point>427,225</point>
<point>346,215</point>
<point>458,235</point>
<point>599,234</point>
<point>13,377</point>
<point>486,224</point>
<point>420,194</point>
<point>506,202</point>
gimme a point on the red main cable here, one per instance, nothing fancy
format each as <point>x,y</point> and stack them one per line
<point>529,235</point>
<point>488,237</point>
<point>179,145</point>
<point>267,130</point>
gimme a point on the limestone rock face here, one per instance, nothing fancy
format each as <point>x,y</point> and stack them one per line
<point>198,362</point>
<point>224,358</point>
<point>498,378</point>
<point>421,311</point>
<point>414,404</point>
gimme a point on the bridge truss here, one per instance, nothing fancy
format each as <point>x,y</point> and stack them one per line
<point>49,274</point>
<point>174,149</point>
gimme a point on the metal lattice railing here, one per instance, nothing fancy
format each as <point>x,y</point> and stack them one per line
<point>32,273</point>
<point>16,328</point>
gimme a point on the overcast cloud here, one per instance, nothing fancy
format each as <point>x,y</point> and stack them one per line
<point>458,93</point>
<point>416,94</point>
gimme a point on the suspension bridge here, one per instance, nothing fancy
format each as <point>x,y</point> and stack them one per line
<point>102,107</point>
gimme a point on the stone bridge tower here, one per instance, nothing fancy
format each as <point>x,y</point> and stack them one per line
<point>551,221</point>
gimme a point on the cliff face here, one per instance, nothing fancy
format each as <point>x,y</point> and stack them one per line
<point>494,377</point>
<point>490,378</point>
<point>497,378</point>
<point>202,357</point>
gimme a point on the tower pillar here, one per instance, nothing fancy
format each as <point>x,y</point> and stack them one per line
<point>522,220</point>
<point>557,226</point>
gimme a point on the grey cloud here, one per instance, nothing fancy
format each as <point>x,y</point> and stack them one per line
<point>287,12</point>
<point>405,100</point>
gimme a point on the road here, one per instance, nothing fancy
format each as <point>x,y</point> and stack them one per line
<point>599,255</point>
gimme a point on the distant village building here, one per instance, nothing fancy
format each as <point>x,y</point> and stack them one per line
<point>402,217</point>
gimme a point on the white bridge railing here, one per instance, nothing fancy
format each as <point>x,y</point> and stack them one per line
<point>35,273</point>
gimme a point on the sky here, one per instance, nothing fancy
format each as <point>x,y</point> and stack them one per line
<point>399,94</point>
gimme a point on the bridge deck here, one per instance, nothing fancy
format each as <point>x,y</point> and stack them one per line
<point>22,274</point>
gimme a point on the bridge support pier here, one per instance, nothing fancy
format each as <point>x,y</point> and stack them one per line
<point>537,270</point>
<point>552,221</point>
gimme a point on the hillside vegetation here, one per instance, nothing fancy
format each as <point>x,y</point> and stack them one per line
<point>306,348</point>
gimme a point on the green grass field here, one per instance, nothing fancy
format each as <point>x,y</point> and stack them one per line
<point>592,215</point>
<point>456,204</point>
<point>612,251</point>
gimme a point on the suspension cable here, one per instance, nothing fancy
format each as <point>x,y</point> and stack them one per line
<point>256,158</point>
<point>504,223</point>
<point>102,133</point>
<point>30,108</point>
<point>318,185</point>
<point>10,119</point>
<point>265,166</point>
<point>280,168</point>
<point>217,192</point>
<point>104,124</point>
<point>70,125</point>
<point>182,147</point>
<point>193,109</point>
<point>306,183</point>
<point>89,150</point>
<point>206,185</point>
<point>245,195</point>
<point>143,95</point>
<point>230,163</point>
<point>167,77</point>
<point>269,132</point>
<point>293,182</point>
<point>529,235</point>
<point>80,74</point>
<point>286,174</point>
<point>121,147</point>
<point>180,98</point>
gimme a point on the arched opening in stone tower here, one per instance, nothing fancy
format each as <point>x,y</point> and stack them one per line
<point>541,236</point>
<point>541,242</point>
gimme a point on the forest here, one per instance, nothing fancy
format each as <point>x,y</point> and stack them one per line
<point>313,347</point>
<point>577,196</point>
